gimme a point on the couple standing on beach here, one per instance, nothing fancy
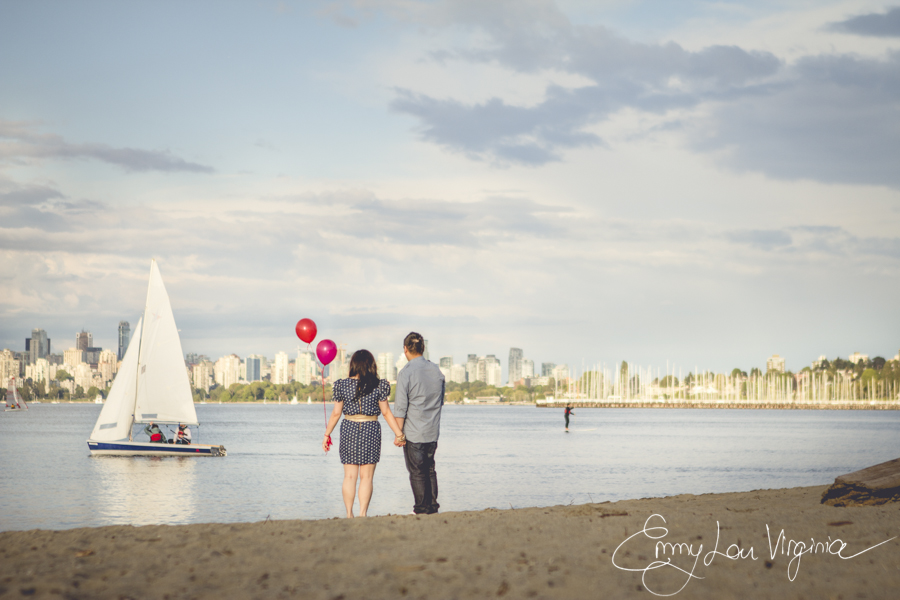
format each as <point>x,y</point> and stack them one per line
<point>415,422</point>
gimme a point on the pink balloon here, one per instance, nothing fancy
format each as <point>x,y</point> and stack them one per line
<point>326,351</point>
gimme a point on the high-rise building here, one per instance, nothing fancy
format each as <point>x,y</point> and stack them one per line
<point>37,346</point>
<point>251,365</point>
<point>854,358</point>
<point>204,374</point>
<point>515,365</point>
<point>458,374</point>
<point>281,369</point>
<point>527,368</point>
<point>84,340</point>
<point>228,370</point>
<point>401,362</point>
<point>92,356</point>
<point>106,366</point>
<point>9,367</point>
<point>446,362</point>
<point>385,365</point>
<point>38,372</point>
<point>472,367</point>
<point>305,367</point>
<point>73,357</point>
<point>560,373</point>
<point>547,369</point>
<point>425,354</point>
<point>124,339</point>
<point>775,363</point>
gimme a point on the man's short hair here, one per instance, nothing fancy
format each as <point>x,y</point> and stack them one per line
<point>415,343</point>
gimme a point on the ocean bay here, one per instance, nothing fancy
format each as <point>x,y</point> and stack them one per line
<point>488,456</point>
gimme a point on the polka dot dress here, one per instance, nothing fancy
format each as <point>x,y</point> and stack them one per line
<point>360,443</point>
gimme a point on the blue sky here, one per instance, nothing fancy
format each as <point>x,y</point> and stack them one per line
<point>704,183</point>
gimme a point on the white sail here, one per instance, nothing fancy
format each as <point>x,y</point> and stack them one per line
<point>114,422</point>
<point>163,389</point>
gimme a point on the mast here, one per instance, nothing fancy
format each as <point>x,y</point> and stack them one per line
<point>137,376</point>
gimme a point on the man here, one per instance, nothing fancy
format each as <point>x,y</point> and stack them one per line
<point>155,433</point>
<point>417,408</point>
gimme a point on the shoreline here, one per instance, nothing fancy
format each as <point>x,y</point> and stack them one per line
<point>544,552</point>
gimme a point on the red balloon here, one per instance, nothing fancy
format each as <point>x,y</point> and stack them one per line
<point>306,330</point>
<point>326,351</point>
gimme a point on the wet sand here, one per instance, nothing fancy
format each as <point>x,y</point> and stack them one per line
<point>555,552</point>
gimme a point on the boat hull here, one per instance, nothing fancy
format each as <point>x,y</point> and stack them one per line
<point>150,449</point>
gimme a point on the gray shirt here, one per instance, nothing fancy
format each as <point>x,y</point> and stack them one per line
<point>420,396</point>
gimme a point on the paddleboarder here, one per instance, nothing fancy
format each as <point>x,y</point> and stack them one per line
<point>568,412</point>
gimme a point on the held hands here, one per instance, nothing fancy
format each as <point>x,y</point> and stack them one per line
<point>400,440</point>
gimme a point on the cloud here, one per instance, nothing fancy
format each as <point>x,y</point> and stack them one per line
<point>828,117</point>
<point>18,142</point>
<point>767,239</point>
<point>873,24</point>
<point>834,119</point>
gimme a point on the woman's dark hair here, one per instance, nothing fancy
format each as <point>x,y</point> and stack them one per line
<point>362,363</point>
<point>414,342</point>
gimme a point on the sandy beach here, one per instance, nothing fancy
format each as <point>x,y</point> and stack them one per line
<point>578,551</point>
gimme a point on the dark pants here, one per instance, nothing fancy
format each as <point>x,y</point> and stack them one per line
<point>422,478</point>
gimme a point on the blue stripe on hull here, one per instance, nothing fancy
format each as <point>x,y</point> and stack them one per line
<point>147,449</point>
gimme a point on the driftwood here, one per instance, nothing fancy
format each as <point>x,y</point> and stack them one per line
<point>871,486</point>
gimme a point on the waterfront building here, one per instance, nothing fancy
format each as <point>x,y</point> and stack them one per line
<point>527,368</point>
<point>106,366</point>
<point>401,362</point>
<point>228,370</point>
<point>280,369</point>
<point>446,362</point>
<point>38,371</point>
<point>84,340</point>
<point>385,364</point>
<point>547,369</point>
<point>818,363</point>
<point>457,374</point>
<point>37,346</point>
<point>560,373</point>
<point>251,368</point>
<point>856,357</point>
<point>472,367</point>
<point>84,376</point>
<point>305,368</point>
<point>73,357</point>
<point>516,356</point>
<point>203,375</point>
<point>92,356</point>
<point>9,367</point>
<point>489,370</point>
<point>125,338</point>
<point>775,363</point>
<point>425,353</point>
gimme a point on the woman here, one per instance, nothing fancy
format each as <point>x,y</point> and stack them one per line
<point>360,398</point>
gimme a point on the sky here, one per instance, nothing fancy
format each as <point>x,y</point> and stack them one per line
<point>702,184</point>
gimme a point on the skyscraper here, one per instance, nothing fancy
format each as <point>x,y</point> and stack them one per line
<point>281,372</point>
<point>515,365</point>
<point>84,340</point>
<point>425,354</point>
<point>252,367</point>
<point>472,367</point>
<point>385,364</point>
<point>305,368</point>
<point>547,369</point>
<point>124,338</point>
<point>37,346</point>
<point>446,362</point>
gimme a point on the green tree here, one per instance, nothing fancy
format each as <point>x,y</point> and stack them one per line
<point>63,375</point>
<point>92,392</point>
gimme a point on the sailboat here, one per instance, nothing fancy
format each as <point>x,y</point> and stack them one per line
<point>150,387</point>
<point>13,402</point>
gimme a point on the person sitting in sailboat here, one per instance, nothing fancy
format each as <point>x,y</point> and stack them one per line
<point>156,435</point>
<point>184,435</point>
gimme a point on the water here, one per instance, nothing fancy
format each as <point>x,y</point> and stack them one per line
<point>492,456</point>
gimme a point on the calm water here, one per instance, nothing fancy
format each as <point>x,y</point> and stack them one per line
<point>487,457</point>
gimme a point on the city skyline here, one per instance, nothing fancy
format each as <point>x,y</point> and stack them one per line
<point>695,182</point>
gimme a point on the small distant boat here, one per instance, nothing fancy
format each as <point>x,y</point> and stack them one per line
<point>13,401</point>
<point>98,399</point>
<point>151,387</point>
<point>294,399</point>
<point>309,399</point>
